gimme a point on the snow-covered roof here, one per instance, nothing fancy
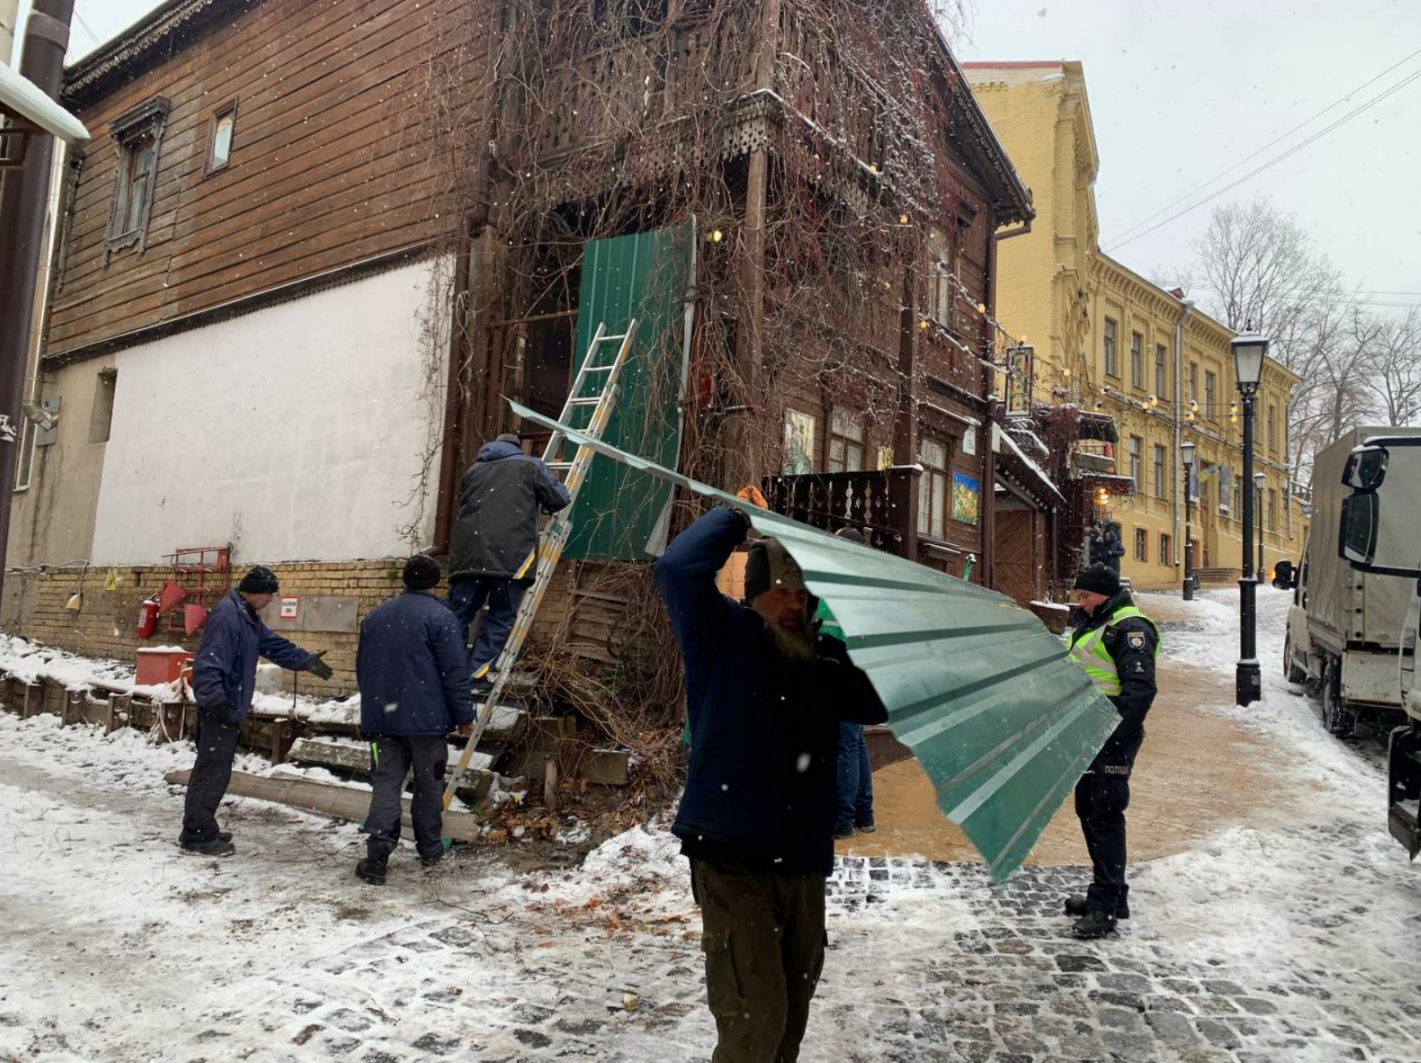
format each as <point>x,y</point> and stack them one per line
<point>1001,437</point>
<point>20,95</point>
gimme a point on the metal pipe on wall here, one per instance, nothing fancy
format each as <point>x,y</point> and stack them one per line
<point>22,220</point>
<point>1179,545</point>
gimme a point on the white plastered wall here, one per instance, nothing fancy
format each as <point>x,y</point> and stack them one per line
<point>297,432</point>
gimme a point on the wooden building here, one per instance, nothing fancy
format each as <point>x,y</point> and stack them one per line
<point>316,241</point>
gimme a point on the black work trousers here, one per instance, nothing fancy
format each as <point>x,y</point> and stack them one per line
<point>211,772</point>
<point>763,938</point>
<point>1101,800</point>
<point>391,757</point>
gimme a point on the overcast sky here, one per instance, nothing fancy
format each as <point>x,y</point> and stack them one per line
<point>1180,92</point>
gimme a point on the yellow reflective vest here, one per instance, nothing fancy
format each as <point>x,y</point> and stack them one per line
<point>1087,647</point>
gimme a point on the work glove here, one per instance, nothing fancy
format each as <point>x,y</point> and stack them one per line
<point>319,668</point>
<point>465,730</point>
<point>750,493</point>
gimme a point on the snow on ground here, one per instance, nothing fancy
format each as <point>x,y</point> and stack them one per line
<point>1297,943</point>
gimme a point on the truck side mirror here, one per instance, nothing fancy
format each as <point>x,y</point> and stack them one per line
<point>1366,468</point>
<point>1285,576</point>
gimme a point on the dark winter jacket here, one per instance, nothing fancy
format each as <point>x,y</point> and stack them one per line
<point>224,673</point>
<point>412,668</point>
<point>764,730</point>
<point>497,529</point>
<point>1131,644</point>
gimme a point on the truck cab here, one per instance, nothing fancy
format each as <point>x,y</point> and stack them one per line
<point>1380,534</point>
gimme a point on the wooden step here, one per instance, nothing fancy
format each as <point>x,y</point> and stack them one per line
<point>353,756</point>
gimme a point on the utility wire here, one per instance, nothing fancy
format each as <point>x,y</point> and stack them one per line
<point>1275,160</point>
<point>1217,177</point>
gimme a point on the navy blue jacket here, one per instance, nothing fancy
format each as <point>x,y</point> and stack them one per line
<point>764,729</point>
<point>224,673</point>
<point>412,668</point>
<point>499,501</point>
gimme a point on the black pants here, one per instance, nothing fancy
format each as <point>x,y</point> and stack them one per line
<point>763,938</point>
<point>1101,800</point>
<point>212,771</point>
<point>391,757</point>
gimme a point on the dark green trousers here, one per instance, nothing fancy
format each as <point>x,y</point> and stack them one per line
<point>763,936</point>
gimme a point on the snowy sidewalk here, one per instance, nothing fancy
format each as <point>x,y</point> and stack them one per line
<point>1295,940</point>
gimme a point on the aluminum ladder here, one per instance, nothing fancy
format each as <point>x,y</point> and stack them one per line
<point>605,380</point>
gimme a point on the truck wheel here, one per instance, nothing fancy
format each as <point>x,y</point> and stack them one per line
<point>1336,717</point>
<point>1291,671</point>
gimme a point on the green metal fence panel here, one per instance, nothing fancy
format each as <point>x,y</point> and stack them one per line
<point>620,512</point>
<point>1003,722</point>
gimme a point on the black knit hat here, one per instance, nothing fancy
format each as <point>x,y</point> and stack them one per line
<point>421,573</point>
<point>1099,579</point>
<point>852,534</point>
<point>259,580</point>
<point>770,566</point>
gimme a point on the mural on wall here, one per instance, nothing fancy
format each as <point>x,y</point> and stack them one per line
<point>966,498</point>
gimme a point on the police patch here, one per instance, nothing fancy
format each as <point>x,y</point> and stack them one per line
<point>1136,640</point>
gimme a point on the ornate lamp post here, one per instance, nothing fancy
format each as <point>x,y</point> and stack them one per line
<point>1186,452</point>
<point>1260,484</point>
<point>1248,352</point>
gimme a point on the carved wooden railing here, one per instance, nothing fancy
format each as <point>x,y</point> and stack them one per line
<point>883,505</point>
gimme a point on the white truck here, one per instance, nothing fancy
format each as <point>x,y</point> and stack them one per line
<point>1345,626</point>
<point>1380,535</point>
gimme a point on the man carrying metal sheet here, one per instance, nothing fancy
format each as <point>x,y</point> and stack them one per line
<point>855,771</point>
<point>764,695</point>
<point>495,538</point>
<point>1117,645</point>
<point>224,677</point>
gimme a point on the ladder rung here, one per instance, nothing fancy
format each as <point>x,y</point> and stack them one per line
<point>599,368</point>
<point>560,464</point>
<point>613,339</point>
<point>589,401</point>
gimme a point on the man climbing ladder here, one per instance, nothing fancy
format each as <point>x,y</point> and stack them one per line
<point>594,392</point>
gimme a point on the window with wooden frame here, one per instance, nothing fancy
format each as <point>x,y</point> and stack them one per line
<point>944,273</point>
<point>1112,355</point>
<point>1211,411</point>
<point>1162,476</point>
<point>1161,372</point>
<point>935,489</point>
<point>1137,360</point>
<point>1193,381</point>
<point>138,138</point>
<point>1272,428</point>
<point>1142,544</point>
<point>1164,549</point>
<point>1137,464</point>
<point>800,429</point>
<point>219,138</point>
<point>847,435</point>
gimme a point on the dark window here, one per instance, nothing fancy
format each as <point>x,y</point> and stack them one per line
<point>1137,360</point>
<point>1164,550</point>
<point>138,137</point>
<point>1272,510</point>
<point>1112,358</point>
<point>1137,463</point>
<point>1161,372</point>
<point>1161,473</point>
<point>1142,544</point>
<point>1210,411</point>
<point>1272,428</point>
<point>1193,381</point>
<point>101,420</point>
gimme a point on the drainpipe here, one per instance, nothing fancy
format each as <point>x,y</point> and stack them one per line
<point>1185,307</point>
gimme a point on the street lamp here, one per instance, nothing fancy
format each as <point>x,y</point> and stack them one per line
<point>1186,452</point>
<point>1260,483</point>
<point>1248,352</point>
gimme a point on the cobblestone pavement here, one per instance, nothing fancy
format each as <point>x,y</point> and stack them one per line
<point>1001,981</point>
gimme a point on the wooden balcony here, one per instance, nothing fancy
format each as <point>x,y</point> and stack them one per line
<point>883,505</point>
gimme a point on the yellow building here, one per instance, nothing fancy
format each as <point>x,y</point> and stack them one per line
<point>1108,340</point>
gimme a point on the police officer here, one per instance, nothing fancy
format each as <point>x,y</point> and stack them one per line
<point>1116,644</point>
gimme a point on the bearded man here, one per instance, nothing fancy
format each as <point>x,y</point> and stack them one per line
<point>764,696</point>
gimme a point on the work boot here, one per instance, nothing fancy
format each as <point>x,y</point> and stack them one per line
<point>224,835</point>
<point>218,846</point>
<point>1076,907</point>
<point>866,826</point>
<point>840,833</point>
<point>369,871</point>
<point>1094,925</point>
<point>430,861</point>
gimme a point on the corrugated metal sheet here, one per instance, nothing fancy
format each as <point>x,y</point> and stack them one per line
<point>985,697</point>
<point>621,513</point>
